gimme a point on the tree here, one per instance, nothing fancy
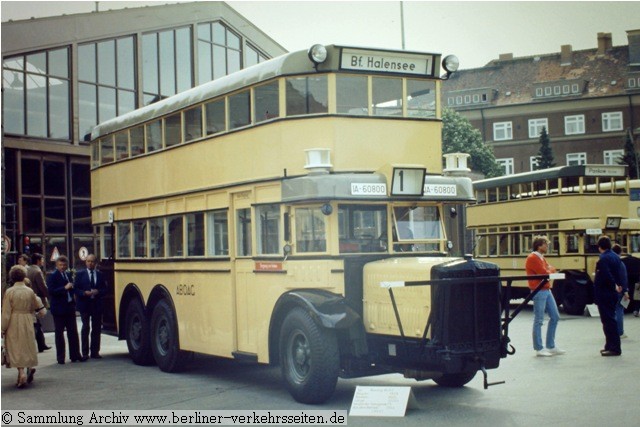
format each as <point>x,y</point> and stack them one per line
<point>630,157</point>
<point>459,136</point>
<point>545,155</point>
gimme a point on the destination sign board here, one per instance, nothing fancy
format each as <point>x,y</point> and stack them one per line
<point>387,62</point>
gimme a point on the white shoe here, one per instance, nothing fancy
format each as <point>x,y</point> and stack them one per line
<point>555,351</point>
<point>543,353</point>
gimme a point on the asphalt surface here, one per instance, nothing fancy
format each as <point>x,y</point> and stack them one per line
<point>579,388</point>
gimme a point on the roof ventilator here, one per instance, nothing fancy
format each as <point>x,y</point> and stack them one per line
<point>318,160</point>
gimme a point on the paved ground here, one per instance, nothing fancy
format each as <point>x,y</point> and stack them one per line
<point>579,388</point>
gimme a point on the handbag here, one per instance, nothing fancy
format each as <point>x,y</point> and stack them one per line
<point>636,293</point>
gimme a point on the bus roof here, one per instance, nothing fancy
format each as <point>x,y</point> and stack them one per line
<point>605,171</point>
<point>287,64</point>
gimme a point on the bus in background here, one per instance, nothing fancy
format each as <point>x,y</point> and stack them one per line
<point>572,206</point>
<point>259,216</point>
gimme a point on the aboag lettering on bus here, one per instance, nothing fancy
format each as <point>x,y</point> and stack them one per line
<point>186,290</point>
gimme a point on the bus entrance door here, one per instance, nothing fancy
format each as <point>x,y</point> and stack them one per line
<point>246,289</point>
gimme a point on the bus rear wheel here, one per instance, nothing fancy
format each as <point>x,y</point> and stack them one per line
<point>164,339</point>
<point>137,334</point>
<point>454,380</point>
<point>309,358</point>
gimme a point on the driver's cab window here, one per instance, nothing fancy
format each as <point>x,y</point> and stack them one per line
<point>417,229</point>
<point>363,228</point>
<point>310,230</point>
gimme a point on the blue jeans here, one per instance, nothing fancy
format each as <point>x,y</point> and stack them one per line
<point>620,316</point>
<point>543,302</point>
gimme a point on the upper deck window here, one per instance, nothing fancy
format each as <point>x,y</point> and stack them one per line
<point>172,132</point>
<point>154,136</point>
<point>387,97</point>
<point>421,98</point>
<point>137,140</point>
<point>352,95</point>
<point>215,116</point>
<point>307,95</point>
<point>122,145</point>
<point>266,101</point>
<point>193,124</point>
<point>239,110</point>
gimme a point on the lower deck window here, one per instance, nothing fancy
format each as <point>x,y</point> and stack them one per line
<point>310,230</point>
<point>363,228</point>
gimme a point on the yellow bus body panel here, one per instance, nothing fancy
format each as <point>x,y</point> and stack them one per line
<point>414,303</point>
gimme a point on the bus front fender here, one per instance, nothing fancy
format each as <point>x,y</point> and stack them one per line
<point>329,310</point>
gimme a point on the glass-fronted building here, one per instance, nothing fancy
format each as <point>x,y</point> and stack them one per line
<point>63,75</point>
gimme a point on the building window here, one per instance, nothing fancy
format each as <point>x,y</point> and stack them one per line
<point>613,157</point>
<point>632,82</point>
<point>574,159</point>
<point>219,51</point>
<point>611,121</point>
<point>502,131</point>
<point>507,165</point>
<point>476,98</point>
<point>458,100</point>
<point>166,63</point>
<point>533,163</point>
<point>106,82</point>
<point>467,99</point>
<point>574,125</point>
<point>539,91</point>
<point>547,91</point>
<point>451,101</point>
<point>485,98</point>
<point>536,125</point>
<point>565,89</point>
<point>575,88</point>
<point>253,56</point>
<point>36,97</point>
<point>556,90</point>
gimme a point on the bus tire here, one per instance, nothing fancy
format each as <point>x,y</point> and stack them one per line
<point>454,380</point>
<point>137,334</point>
<point>165,343</point>
<point>309,358</point>
<point>572,296</point>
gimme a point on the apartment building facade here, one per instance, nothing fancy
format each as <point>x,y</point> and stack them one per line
<point>588,100</point>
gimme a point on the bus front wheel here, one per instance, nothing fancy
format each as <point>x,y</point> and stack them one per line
<point>454,380</point>
<point>309,358</point>
<point>137,334</point>
<point>164,338</point>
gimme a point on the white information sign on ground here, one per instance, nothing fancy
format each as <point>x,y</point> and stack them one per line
<point>382,401</point>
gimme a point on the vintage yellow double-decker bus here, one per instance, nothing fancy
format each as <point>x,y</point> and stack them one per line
<point>572,206</point>
<point>280,214</point>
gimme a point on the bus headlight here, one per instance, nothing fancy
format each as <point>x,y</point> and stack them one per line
<point>317,54</point>
<point>450,63</point>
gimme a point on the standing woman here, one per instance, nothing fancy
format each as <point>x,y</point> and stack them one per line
<point>18,306</point>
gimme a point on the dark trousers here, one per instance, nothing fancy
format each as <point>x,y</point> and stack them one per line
<point>37,326</point>
<point>68,322</point>
<point>91,320</point>
<point>607,309</point>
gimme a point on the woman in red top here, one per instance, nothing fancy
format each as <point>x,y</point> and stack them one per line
<point>543,301</point>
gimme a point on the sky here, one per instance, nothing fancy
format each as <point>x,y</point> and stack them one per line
<point>475,31</point>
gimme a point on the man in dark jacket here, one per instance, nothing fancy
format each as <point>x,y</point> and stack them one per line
<point>90,287</point>
<point>607,285</point>
<point>36,276</point>
<point>63,309</point>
